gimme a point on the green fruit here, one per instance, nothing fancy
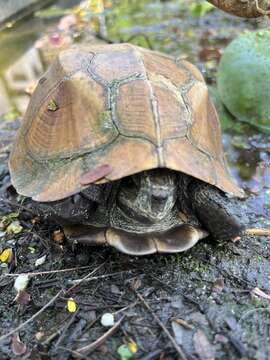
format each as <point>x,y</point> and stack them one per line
<point>244,78</point>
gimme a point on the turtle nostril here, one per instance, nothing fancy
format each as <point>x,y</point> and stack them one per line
<point>158,203</point>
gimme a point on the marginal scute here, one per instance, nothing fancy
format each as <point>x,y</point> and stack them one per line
<point>192,69</point>
<point>182,153</point>
<point>205,121</point>
<point>75,125</point>
<point>125,155</point>
<point>121,105</point>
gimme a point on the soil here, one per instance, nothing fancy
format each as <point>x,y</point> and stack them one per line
<point>213,299</point>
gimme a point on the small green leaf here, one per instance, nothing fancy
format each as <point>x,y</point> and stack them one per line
<point>14,228</point>
<point>200,9</point>
<point>124,352</point>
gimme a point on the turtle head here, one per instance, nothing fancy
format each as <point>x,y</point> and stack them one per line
<point>150,195</point>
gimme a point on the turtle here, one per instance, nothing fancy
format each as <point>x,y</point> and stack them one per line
<point>121,146</point>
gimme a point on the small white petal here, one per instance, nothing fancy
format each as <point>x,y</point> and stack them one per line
<point>40,261</point>
<point>107,320</point>
<point>21,282</point>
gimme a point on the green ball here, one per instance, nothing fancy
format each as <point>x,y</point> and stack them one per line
<point>244,78</point>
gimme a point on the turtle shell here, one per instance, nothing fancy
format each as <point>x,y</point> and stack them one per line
<point>104,112</point>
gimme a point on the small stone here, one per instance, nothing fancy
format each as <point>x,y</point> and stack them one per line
<point>107,320</point>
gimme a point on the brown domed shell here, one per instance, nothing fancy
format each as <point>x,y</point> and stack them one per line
<point>104,112</point>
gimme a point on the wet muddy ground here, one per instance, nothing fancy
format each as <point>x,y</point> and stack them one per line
<point>213,299</point>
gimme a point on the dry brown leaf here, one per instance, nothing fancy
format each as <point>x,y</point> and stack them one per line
<point>202,346</point>
<point>183,323</point>
<point>58,236</point>
<point>22,297</point>
<point>17,347</point>
<point>258,292</point>
<point>218,285</point>
<point>136,283</point>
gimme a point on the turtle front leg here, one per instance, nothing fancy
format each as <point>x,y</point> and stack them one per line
<point>222,216</point>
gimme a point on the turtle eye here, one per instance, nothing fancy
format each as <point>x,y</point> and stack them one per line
<point>129,183</point>
<point>75,199</point>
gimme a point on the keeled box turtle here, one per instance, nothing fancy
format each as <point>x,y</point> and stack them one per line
<point>122,146</point>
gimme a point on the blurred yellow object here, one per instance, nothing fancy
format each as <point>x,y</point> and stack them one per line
<point>71,305</point>
<point>6,255</point>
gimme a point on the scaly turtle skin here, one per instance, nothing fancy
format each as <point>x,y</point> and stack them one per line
<point>124,144</point>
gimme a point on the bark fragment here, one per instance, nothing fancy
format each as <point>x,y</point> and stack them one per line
<point>244,8</point>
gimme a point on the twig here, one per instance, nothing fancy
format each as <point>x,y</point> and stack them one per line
<point>85,350</point>
<point>47,272</point>
<point>260,10</point>
<point>46,306</point>
<point>84,278</point>
<point>73,352</point>
<point>160,323</point>
<point>98,277</point>
<point>32,317</point>
<point>64,329</point>
<point>17,205</point>
<point>153,355</point>
<point>258,232</point>
<point>252,311</point>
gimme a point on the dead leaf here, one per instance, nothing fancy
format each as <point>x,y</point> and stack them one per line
<point>183,323</point>
<point>71,305</point>
<point>210,53</point>
<point>258,292</point>
<point>40,261</point>
<point>58,236</point>
<point>14,228</point>
<point>133,347</point>
<point>22,297</point>
<point>178,332</point>
<point>17,347</point>
<point>218,285</point>
<point>95,174</point>
<point>221,339</point>
<point>39,335</point>
<point>203,347</point>
<point>6,256</point>
<point>136,283</point>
